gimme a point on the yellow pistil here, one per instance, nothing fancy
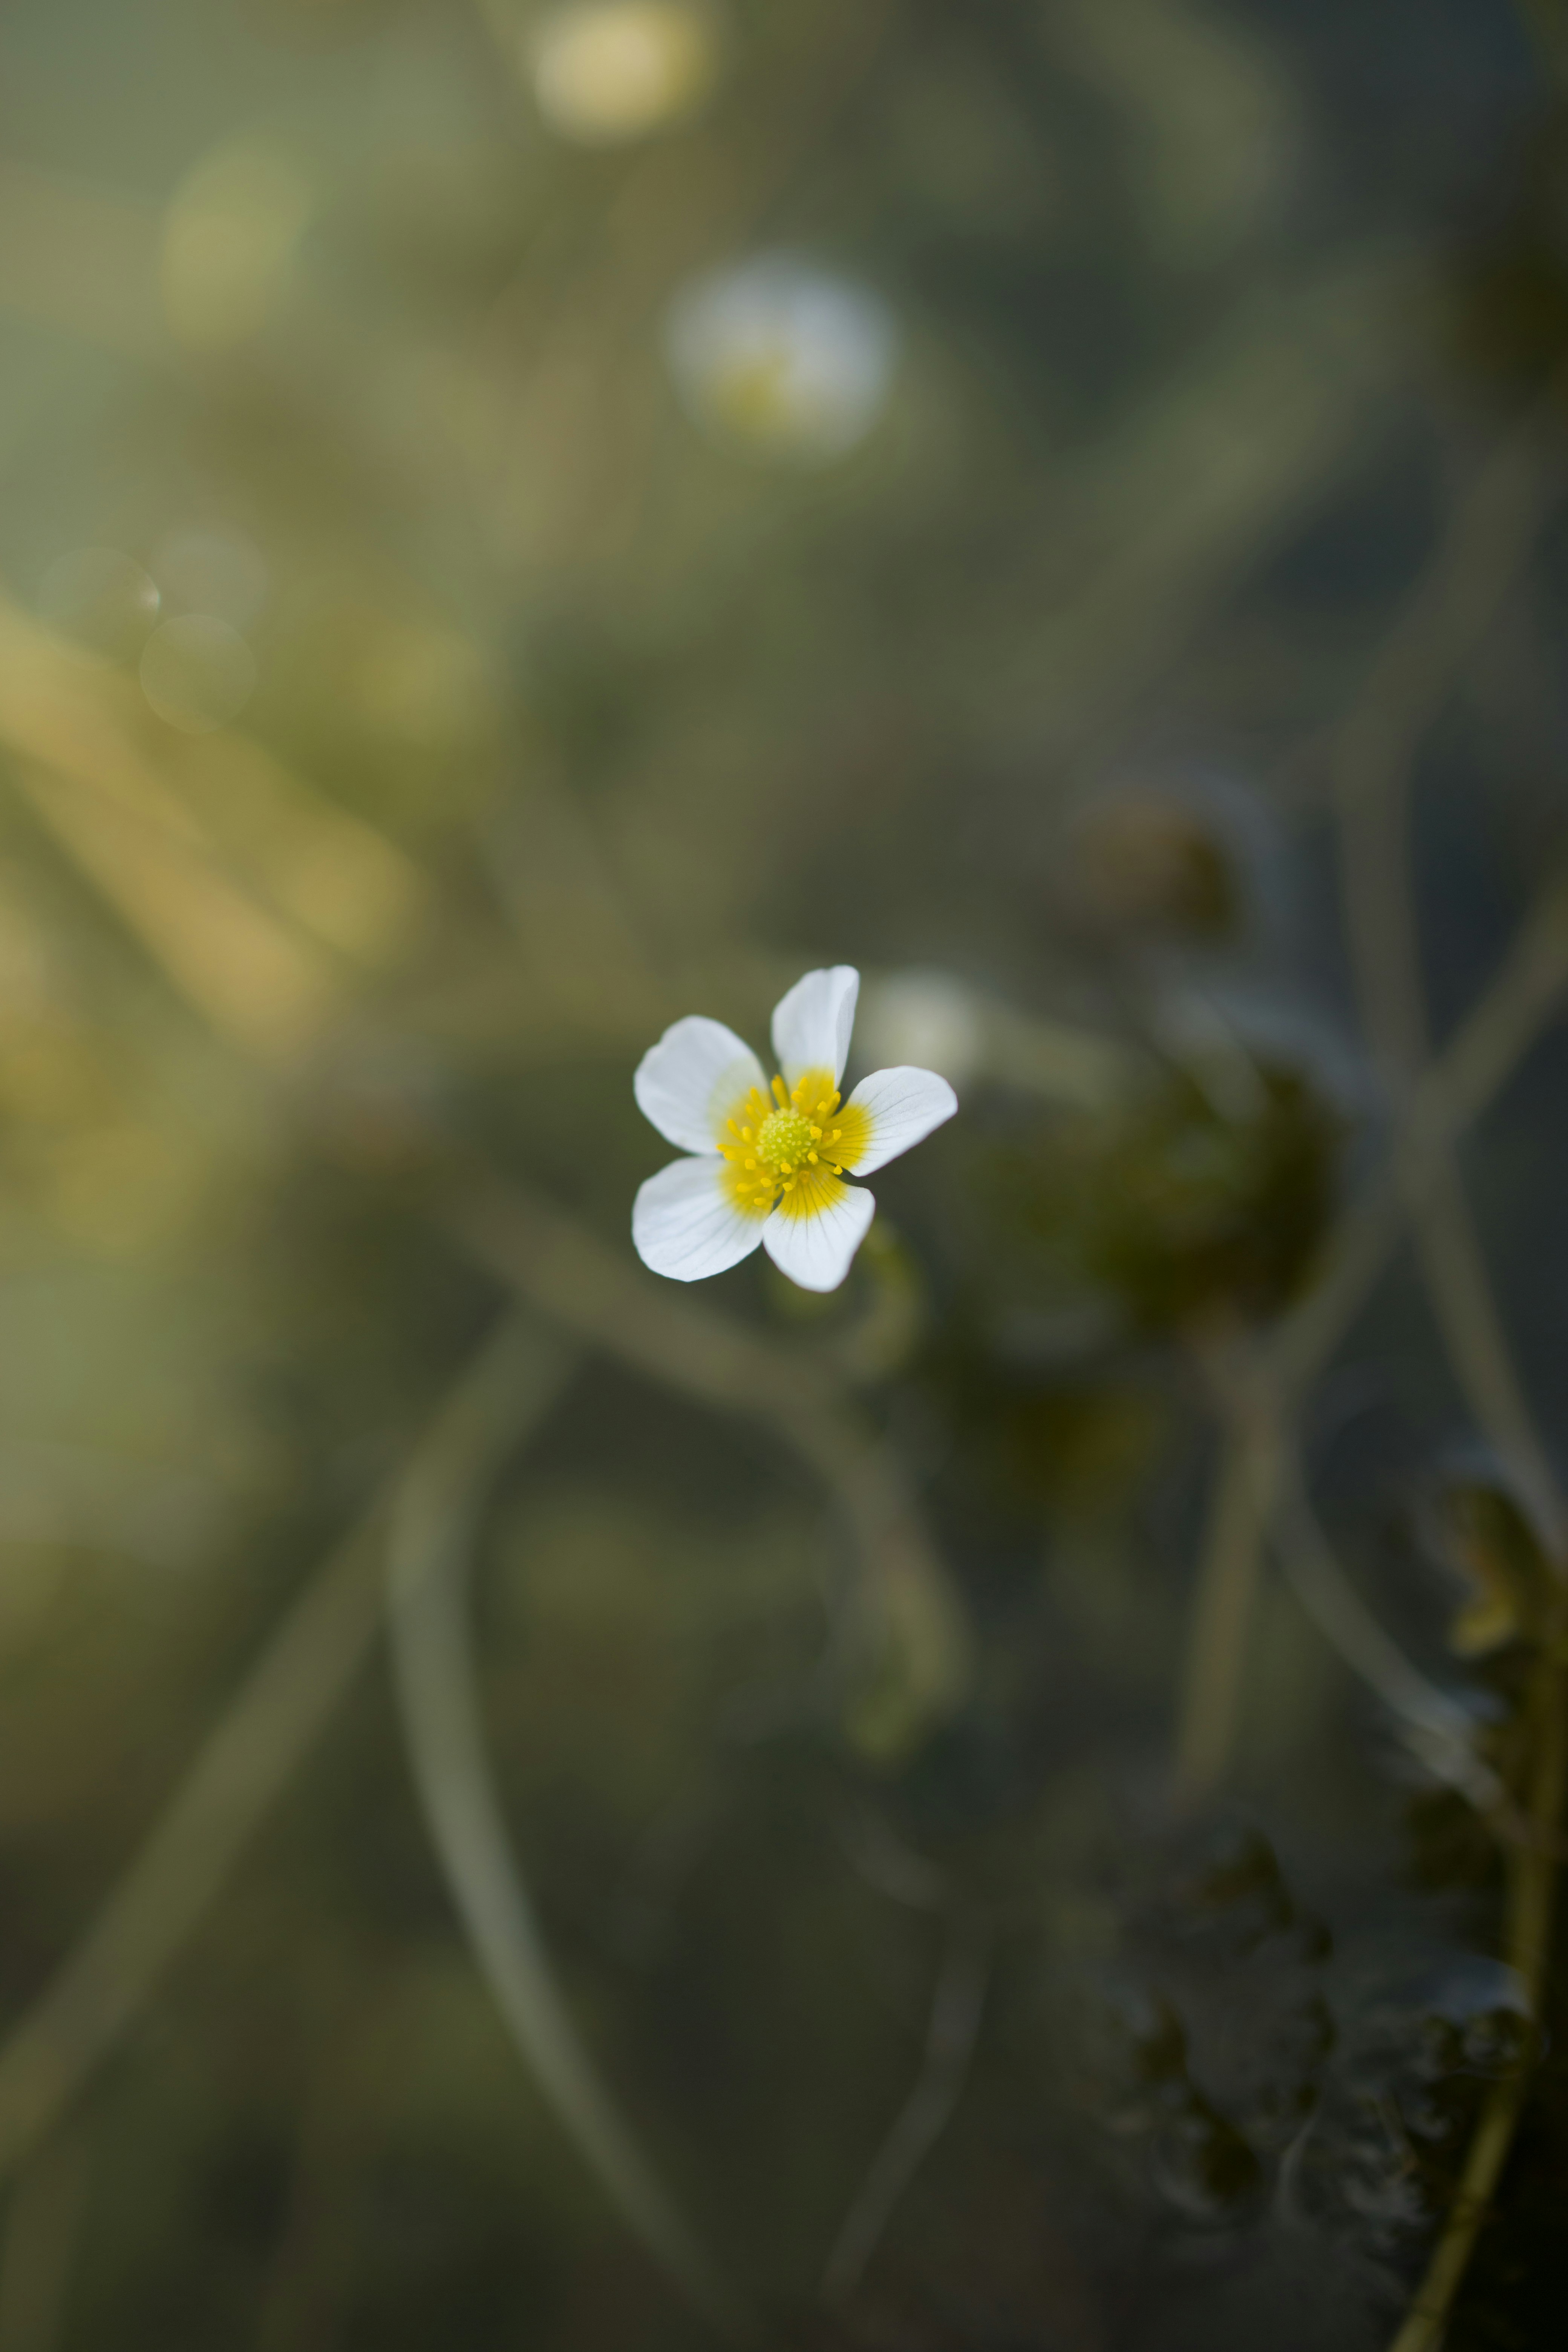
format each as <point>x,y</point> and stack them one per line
<point>790,1151</point>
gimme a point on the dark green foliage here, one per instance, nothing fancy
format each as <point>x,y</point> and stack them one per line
<point>1187,1209</point>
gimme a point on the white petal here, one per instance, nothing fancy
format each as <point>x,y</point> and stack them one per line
<point>903,1105</point>
<point>686,1225</point>
<point>817,1251</point>
<point>696,1074</point>
<point>811,1023</point>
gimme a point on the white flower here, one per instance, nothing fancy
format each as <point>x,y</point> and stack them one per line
<point>928,1014</point>
<point>782,358</point>
<point>768,1163</point>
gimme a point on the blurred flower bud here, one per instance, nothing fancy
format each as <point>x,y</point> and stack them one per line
<point>1151,864</point>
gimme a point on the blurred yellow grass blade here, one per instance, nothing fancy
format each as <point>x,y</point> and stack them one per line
<point>178,831</point>
<point>56,709</point>
<point>337,876</point>
<point>259,987</point>
<point>267,1727</point>
<point>327,870</point>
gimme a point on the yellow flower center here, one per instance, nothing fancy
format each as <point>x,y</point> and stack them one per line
<point>784,1140</point>
<point>791,1152</point>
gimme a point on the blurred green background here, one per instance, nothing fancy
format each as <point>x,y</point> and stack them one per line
<point>1013,1808</point>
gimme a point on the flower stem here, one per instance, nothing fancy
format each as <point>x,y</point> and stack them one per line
<point>1533,1876</point>
<point>1239,1511</point>
<point>428,1557</point>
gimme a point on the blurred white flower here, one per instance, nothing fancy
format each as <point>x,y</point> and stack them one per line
<point>780,356</point>
<point>767,1165</point>
<point>927,1017</point>
<point>607,70</point>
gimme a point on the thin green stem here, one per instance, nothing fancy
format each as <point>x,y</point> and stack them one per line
<point>958,2002</point>
<point>1482,553</point>
<point>1456,1279</point>
<point>1487,546</point>
<point>1452,1093</point>
<point>1437,1728</point>
<point>1228,1568</point>
<point>262,1738</point>
<point>429,1550</point>
<point>1532,1877</point>
<point>909,1648</point>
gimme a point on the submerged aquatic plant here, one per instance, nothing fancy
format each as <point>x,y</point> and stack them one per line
<point>768,1163</point>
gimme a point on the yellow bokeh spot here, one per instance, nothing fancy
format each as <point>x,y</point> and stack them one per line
<point>605,70</point>
<point>229,240</point>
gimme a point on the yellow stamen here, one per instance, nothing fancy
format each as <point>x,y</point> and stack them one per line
<point>785,1152</point>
